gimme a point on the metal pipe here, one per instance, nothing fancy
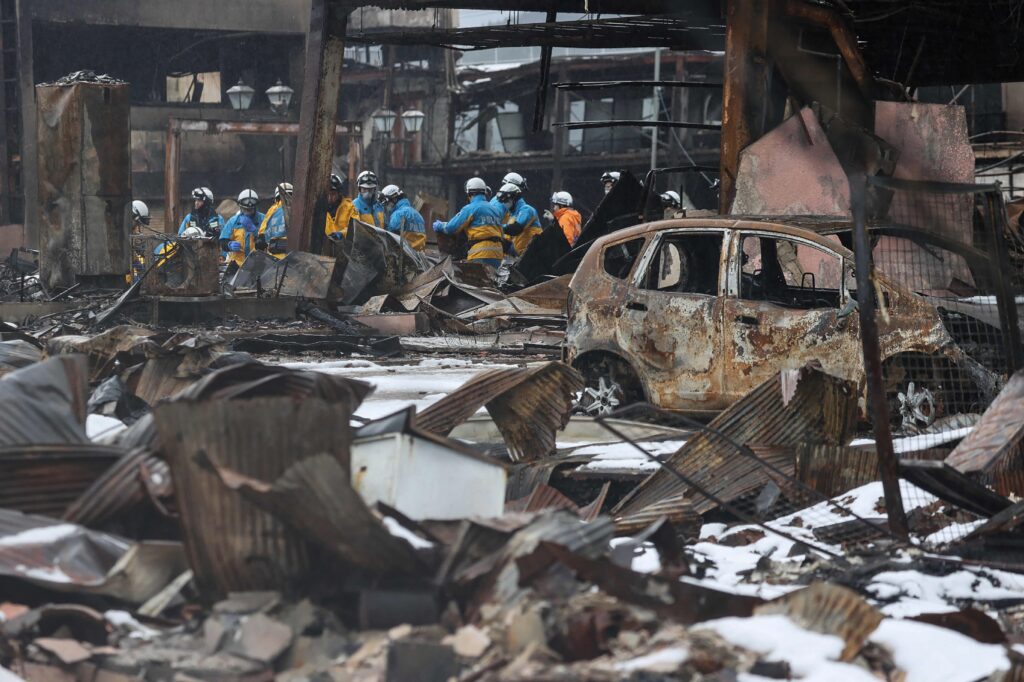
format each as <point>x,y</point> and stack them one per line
<point>878,405</point>
<point>606,85</point>
<point>641,124</point>
<point>657,107</point>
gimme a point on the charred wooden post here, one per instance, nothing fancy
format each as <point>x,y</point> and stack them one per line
<point>321,85</point>
<point>745,86</point>
<point>878,406</point>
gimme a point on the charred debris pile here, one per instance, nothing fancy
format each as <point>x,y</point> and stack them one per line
<point>246,525</point>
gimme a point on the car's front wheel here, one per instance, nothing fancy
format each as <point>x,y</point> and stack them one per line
<point>609,385</point>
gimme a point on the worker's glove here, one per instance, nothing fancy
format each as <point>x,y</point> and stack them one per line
<point>261,244</point>
<point>513,229</point>
<point>335,236</point>
<point>438,224</point>
<point>549,217</point>
<point>234,246</point>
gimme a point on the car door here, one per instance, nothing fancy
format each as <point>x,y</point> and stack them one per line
<point>670,324</point>
<point>786,305</point>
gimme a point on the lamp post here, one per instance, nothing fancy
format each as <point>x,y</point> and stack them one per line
<point>240,96</point>
<point>280,97</point>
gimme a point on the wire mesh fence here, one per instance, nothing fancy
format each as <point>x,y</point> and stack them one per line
<point>950,248</point>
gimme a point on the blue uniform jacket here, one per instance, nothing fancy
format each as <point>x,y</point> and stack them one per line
<point>478,213</point>
<point>365,210</point>
<point>212,227</point>
<point>406,219</point>
<point>250,225</point>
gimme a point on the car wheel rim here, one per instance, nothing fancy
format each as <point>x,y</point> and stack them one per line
<point>917,408</point>
<point>602,399</point>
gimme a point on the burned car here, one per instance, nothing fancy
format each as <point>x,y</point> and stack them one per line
<point>692,314</point>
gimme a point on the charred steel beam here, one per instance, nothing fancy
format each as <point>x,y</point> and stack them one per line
<point>844,37</point>
<point>321,88</point>
<point>672,31</point>
<point>576,125</point>
<point>878,405</point>
<point>604,85</point>
<point>172,178</point>
<point>745,90</point>
<point>540,104</point>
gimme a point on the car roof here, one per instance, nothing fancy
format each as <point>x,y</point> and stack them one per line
<point>813,228</point>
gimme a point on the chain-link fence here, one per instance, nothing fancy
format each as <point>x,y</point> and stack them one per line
<point>950,250</point>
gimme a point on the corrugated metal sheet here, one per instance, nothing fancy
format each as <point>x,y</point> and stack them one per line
<point>65,557</point>
<point>258,421</point>
<point>315,496</point>
<point>822,409</point>
<point>529,406</point>
<point>45,403</point>
<point>117,489</point>
<point>834,469</point>
<point>45,479</point>
<point>830,610</point>
<point>994,450</point>
<point>677,511</point>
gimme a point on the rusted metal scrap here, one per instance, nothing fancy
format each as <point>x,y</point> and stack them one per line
<point>831,610</point>
<point>529,406</point>
<point>316,497</point>
<point>821,409</point>
<point>993,451</point>
<point>228,417</point>
<point>68,558</point>
<point>120,487</point>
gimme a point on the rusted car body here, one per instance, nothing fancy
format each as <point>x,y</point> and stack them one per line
<point>692,314</point>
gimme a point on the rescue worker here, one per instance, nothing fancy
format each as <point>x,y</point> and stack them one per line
<point>671,203</point>
<point>510,178</point>
<point>566,216</point>
<point>405,221</point>
<point>238,237</point>
<point>522,224</point>
<point>609,180</point>
<point>480,222</point>
<point>367,208</point>
<point>140,221</point>
<point>273,233</point>
<point>202,215</point>
<point>340,209</point>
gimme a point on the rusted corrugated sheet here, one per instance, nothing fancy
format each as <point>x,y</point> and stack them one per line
<point>191,270</point>
<point>994,450</point>
<point>45,479</point>
<point>821,409</point>
<point>118,489</point>
<point>45,403</point>
<point>831,610</point>
<point>65,557</point>
<point>257,421</point>
<point>834,469</point>
<point>677,511</point>
<point>315,496</point>
<point>529,406</point>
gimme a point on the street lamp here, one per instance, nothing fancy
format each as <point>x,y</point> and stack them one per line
<point>413,121</point>
<point>240,96</point>
<point>384,120</point>
<point>280,97</point>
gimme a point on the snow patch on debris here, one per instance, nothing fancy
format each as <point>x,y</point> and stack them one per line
<point>929,653</point>
<point>101,426</point>
<point>400,531</point>
<point>126,621</point>
<point>7,676</point>
<point>661,661</point>
<point>974,584</point>
<point>811,655</point>
<point>39,536</point>
<point>623,456</point>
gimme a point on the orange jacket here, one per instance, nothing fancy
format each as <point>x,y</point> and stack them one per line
<point>571,223</point>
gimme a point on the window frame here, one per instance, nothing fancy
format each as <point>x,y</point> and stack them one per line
<point>647,258</point>
<point>736,264</point>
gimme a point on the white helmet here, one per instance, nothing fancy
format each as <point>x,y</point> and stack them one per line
<point>193,232</point>
<point>611,176</point>
<point>509,190</point>
<point>248,198</point>
<point>514,179</point>
<point>283,188</point>
<point>671,198</point>
<point>203,194</point>
<point>392,192</point>
<point>140,212</point>
<point>476,186</point>
<point>561,199</point>
<point>367,179</point>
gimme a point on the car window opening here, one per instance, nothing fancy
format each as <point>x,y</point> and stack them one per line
<point>789,274</point>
